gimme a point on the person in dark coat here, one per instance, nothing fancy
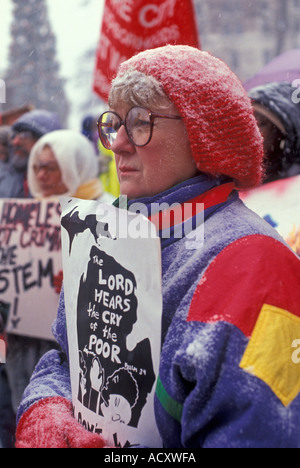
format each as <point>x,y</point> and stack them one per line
<point>278,116</point>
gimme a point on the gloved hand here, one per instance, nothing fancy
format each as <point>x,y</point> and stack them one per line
<point>49,423</point>
<point>57,281</point>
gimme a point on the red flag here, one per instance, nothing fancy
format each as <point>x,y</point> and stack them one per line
<point>130,26</point>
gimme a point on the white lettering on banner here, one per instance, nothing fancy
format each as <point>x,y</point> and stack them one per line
<point>152,15</point>
<point>104,348</point>
<point>129,39</point>
<point>117,282</point>
<point>124,8</point>
<point>103,50</point>
<point>144,12</point>
<point>109,53</point>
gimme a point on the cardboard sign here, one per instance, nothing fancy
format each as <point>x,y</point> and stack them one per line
<point>30,258</point>
<point>113,300</point>
<point>278,203</point>
<point>131,26</point>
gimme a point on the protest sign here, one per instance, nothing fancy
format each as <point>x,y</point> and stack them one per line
<point>113,300</point>
<point>278,203</point>
<point>131,26</point>
<point>30,258</point>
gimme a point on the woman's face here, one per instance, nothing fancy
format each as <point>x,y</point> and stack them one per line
<point>48,174</point>
<point>164,162</point>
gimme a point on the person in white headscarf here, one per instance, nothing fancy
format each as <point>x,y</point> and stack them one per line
<point>63,162</point>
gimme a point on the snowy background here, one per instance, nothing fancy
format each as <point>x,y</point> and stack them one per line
<point>76,25</point>
<point>246,34</point>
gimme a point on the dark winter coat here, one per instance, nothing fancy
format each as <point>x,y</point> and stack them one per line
<point>282,99</point>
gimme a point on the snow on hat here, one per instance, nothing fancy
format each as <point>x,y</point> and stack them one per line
<point>39,122</point>
<point>217,112</point>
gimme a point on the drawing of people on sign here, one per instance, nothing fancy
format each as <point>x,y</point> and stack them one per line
<point>113,311</point>
<point>112,376</point>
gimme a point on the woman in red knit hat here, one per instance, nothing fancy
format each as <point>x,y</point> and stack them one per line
<point>183,131</point>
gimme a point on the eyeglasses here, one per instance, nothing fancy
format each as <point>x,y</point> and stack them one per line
<point>138,124</point>
<point>23,135</point>
<point>48,168</point>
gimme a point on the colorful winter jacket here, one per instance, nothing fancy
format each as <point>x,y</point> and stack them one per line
<point>230,369</point>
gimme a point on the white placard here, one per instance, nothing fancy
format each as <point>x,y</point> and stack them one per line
<point>113,300</point>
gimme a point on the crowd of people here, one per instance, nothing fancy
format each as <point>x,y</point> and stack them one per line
<point>39,159</point>
<point>182,129</point>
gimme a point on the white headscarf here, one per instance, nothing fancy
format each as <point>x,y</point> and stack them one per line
<point>75,156</point>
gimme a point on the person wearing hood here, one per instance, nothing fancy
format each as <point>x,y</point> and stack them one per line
<point>11,181</point>
<point>183,131</point>
<point>63,162</point>
<point>277,111</point>
<point>26,131</point>
<point>278,117</point>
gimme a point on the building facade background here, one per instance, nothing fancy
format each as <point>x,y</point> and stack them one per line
<point>247,34</point>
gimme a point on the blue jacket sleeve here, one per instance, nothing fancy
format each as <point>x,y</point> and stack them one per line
<point>51,377</point>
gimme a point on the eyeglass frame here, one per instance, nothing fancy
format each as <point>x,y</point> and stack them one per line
<point>46,167</point>
<point>152,116</point>
<point>23,135</point>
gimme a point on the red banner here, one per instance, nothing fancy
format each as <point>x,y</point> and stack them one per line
<point>130,26</point>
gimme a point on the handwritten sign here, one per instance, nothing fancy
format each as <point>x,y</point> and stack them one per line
<point>130,26</point>
<point>113,304</point>
<point>30,258</point>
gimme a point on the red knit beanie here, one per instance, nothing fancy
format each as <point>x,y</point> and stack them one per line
<point>217,112</point>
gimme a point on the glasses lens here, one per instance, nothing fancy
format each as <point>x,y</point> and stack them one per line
<point>138,125</point>
<point>108,127</point>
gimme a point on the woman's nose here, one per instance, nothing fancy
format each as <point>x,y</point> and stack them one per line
<point>42,173</point>
<point>122,142</point>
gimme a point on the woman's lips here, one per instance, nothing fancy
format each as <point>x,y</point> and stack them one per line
<point>126,170</point>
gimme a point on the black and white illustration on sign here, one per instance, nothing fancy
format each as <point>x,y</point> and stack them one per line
<point>114,334</point>
<point>119,380</point>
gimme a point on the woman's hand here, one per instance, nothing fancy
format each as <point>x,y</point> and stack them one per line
<point>50,424</point>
